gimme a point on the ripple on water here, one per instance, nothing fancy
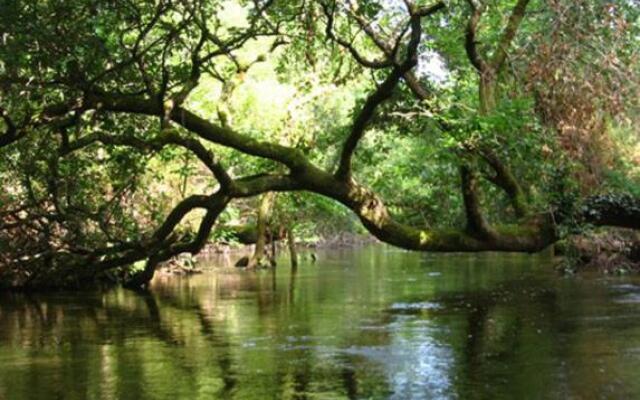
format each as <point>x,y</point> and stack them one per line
<point>631,298</point>
<point>626,287</point>
<point>423,305</point>
<point>626,293</point>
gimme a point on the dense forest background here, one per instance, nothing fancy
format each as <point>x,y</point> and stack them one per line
<point>135,131</point>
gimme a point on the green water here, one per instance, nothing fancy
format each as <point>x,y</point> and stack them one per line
<point>375,323</point>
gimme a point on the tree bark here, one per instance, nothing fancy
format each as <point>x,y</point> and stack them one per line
<point>264,211</point>
<point>291,242</point>
<point>487,92</point>
<point>476,223</point>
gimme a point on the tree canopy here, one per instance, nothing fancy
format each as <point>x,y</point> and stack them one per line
<point>131,128</point>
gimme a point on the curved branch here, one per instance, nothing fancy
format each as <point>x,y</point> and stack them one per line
<point>476,223</point>
<point>384,92</point>
<point>471,41</point>
<point>291,157</point>
<point>360,59</point>
<point>530,236</point>
<point>215,205</point>
<point>159,250</point>
<point>166,138</point>
<point>414,84</point>
<point>506,181</point>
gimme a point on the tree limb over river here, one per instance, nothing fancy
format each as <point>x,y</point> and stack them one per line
<point>94,96</point>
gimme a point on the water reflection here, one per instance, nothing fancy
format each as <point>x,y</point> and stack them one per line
<point>374,323</point>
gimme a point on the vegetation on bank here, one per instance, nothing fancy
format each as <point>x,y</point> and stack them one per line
<point>137,131</point>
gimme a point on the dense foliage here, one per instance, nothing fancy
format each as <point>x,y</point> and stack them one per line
<point>132,128</point>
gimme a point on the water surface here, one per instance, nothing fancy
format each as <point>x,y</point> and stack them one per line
<point>374,323</point>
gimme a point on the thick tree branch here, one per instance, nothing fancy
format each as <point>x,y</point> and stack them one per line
<point>509,34</point>
<point>471,41</point>
<point>161,246</point>
<point>288,156</point>
<point>384,92</point>
<point>505,180</point>
<point>476,223</point>
<point>165,138</point>
<point>215,205</point>
<point>254,185</point>
<point>530,235</point>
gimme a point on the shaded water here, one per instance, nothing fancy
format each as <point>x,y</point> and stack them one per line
<point>372,323</point>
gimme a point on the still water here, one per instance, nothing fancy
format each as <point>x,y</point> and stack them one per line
<point>373,323</point>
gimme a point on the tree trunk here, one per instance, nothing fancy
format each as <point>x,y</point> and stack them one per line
<point>264,211</point>
<point>274,248</point>
<point>487,93</point>
<point>291,241</point>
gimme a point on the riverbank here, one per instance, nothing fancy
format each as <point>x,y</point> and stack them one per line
<point>608,251</point>
<point>227,254</point>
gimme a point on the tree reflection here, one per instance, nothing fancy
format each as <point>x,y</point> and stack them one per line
<point>480,328</point>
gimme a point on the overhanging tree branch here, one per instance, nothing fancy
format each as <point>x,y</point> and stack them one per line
<point>532,236</point>
<point>168,85</point>
<point>288,156</point>
<point>382,93</point>
<point>165,138</point>
<point>414,84</point>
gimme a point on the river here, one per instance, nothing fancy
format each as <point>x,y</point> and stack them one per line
<point>372,323</point>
